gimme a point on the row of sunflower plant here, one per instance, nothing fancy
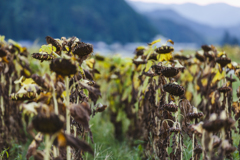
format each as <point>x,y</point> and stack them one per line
<point>55,106</point>
<point>169,97</point>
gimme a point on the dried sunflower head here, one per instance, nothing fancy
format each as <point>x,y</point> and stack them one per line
<point>100,107</point>
<point>149,73</point>
<point>55,43</point>
<point>153,56</point>
<point>164,49</point>
<point>3,52</point>
<point>64,67</point>
<point>195,114</point>
<point>174,129</point>
<point>198,149</point>
<point>225,89</point>
<point>169,71</point>
<point>171,107</point>
<point>228,147</point>
<point>180,56</point>
<point>200,56</point>
<point>82,49</point>
<point>223,60</point>
<point>197,128</point>
<point>48,124</point>
<point>43,56</point>
<point>26,92</point>
<point>174,89</point>
<point>139,51</point>
<point>63,140</point>
<point>206,48</point>
<point>215,123</point>
<point>216,141</point>
<point>140,60</point>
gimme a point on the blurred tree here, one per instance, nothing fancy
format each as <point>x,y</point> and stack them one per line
<point>104,20</point>
<point>228,39</point>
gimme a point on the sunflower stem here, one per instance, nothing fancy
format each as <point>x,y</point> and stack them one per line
<point>47,147</point>
<point>67,115</point>
<point>193,147</point>
<point>54,99</point>
<point>203,146</point>
<point>2,101</point>
<point>55,54</point>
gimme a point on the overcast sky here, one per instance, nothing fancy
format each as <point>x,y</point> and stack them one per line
<point>235,3</point>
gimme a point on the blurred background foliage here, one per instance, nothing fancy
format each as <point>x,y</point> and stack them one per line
<point>91,20</point>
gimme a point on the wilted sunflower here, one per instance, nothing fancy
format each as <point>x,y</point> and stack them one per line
<point>164,49</point>
<point>43,56</point>
<point>64,67</point>
<point>171,107</point>
<point>169,71</point>
<point>174,89</point>
<point>48,124</point>
<point>223,60</point>
<point>55,43</point>
<point>82,49</point>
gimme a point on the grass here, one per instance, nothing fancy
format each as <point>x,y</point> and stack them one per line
<point>105,145</point>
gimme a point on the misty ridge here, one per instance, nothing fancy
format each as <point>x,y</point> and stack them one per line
<point>120,21</point>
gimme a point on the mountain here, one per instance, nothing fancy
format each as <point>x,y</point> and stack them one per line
<point>177,32</point>
<point>214,15</point>
<point>90,20</point>
<point>210,34</point>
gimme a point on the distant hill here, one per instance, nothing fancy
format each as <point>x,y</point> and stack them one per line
<point>176,14</point>
<point>215,15</point>
<point>209,34</point>
<point>91,20</point>
<point>177,32</point>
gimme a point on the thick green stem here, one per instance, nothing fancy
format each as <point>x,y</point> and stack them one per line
<point>226,107</point>
<point>54,99</point>
<point>67,115</point>
<point>2,101</point>
<point>181,146</point>
<point>203,146</point>
<point>47,147</point>
<point>223,134</point>
<point>55,153</point>
<point>75,131</point>
<point>193,147</point>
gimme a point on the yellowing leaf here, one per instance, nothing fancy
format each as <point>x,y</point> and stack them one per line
<point>204,82</point>
<point>64,94</point>
<point>165,57</point>
<point>47,48</point>
<point>170,41</point>
<point>218,76</point>
<point>2,38</point>
<point>188,95</point>
<point>212,96</point>
<point>221,53</point>
<point>90,62</point>
<point>140,48</point>
<point>186,76</point>
<point>126,93</point>
<point>16,44</point>
<point>27,72</point>
<point>5,59</point>
<point>67,48</point>
<point>148,66</point>
<point>28,81</point>
<point>153,42</point>
<point>197,88</point>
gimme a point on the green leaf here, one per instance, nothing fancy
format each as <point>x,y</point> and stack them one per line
<point>126,93</point>
<point>47,48</point>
